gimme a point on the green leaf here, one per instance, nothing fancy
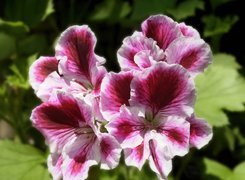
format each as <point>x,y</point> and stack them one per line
<point>7,45</point>
<point>186,9</point>
<point>238,172</point>
<point>17,28</point>
<point>20,69</point>
<point>21,162</point>
<point>35,43</point>
<point>220,87</point>
<point>216,169</point>
<point>144,8</point>
<point>31,12</point>
<point>217,26</point>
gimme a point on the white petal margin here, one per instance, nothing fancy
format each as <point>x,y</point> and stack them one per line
<point>200,132</point>
<point>110,151</point>
<point>192,53</point>
<point>54,165</point>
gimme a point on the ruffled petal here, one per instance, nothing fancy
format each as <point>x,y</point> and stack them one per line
<point>138,155</point>
<point>75,50</point>
<point>188,31</point>
<point>115,92</point>
<point>110,151</point>
<point>55,161</point>
<point>133,45</point>
<point>158,161</point>
<point>59,119</point>
<point>200,132</point>
<point>174,134</point>
<point>193,54</point>
<point>52,82</point>
<point>162,29</point>
<point>163,89</point>
<point>127,128</point>
<point>40,69</point>
<point>98,75</point>
<point>79,156</point>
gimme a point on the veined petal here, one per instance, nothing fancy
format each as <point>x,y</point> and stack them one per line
<point>158,161</point>
<point>98,74</point>
<point>138,155</point>
<point>188,31</point>
<point>40,69</point>
<point>54,165</point>
<point>133,45</point>
<point>79,156</point>
<point>200,132</point>
<point>115,92</point>
<point>75,50</point>
<point>110,151</point>
<point>163,89</point>
<point>52,82</point>
<point>127,128</point>
<point>192,53</point>
<point>144,59</point>
<point>174,134</point>
<point>59,120</point>
<point>162,29</point>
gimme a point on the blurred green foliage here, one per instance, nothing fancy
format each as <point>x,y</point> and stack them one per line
<point>29,28</point>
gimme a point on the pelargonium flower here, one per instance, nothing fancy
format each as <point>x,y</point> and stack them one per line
<point>161,97</point>
<point>74,137</point>
<point>147,108</point>
<point>163,39</point>
<point>75,66</point>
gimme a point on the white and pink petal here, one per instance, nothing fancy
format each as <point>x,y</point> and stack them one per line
<point>55,161</point>
<point>161,165</point>
<point>110,151</point>
<point>128,128</point>
<point>174,133</point>
<point>188,31</point>
<point>40,69</point>
<point>115,92</point>
<point>134,44</point>
<point>61,120</point>
<point>192,53</point>
<point>162,29</point>
<point>75,50</point>
<point>163,89</point>
<point>200,132</point>
<point>79,156</point>
<point>138,155</point>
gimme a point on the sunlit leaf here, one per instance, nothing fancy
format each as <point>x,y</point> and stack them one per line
<point>216,169</point>
<point>21,162</point>
<point>238,172</point>
<point>220,87</point>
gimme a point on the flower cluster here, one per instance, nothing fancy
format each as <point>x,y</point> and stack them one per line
<point>88,115</point>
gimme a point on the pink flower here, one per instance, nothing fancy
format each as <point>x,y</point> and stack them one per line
<point>200,132</point>
<point>152,115</point>
<point>163,39</point>
<point>74,138</point>
<point>75,67</point>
